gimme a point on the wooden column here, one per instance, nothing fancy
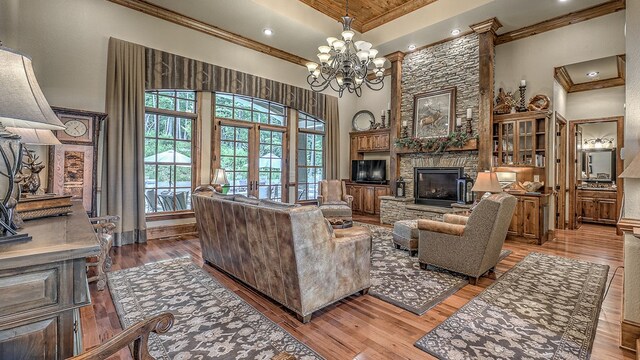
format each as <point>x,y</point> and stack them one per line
<point>486,31</point>
<point>395,123</point>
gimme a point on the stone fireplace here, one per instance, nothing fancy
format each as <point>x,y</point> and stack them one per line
<point>436,186</point>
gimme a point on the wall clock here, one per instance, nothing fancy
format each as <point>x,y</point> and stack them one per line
<point>73,166</point>
<point>79,129</point>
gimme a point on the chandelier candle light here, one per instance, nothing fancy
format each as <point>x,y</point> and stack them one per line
<point>345,64</point>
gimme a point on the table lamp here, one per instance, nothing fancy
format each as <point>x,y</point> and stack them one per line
<point>487,183</point>
<point>22,105</point>
<point>219,178</point>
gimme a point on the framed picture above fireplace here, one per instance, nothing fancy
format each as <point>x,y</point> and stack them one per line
<point>434,113</point>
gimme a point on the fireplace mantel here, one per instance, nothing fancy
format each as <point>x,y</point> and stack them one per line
<point>471,145</point>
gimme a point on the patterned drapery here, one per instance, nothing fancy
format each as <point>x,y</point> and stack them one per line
<point>169,71</point>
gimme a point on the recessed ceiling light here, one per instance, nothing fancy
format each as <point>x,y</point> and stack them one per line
<point>455,32</point>
<point>593,74</point>
<point>267,31</point>
<point>412,47</point>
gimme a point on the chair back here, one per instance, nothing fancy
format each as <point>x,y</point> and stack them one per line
<point>333,191</point>
<point>488,226</point>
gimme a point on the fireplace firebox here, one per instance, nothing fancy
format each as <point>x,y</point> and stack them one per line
<point>436,186</point>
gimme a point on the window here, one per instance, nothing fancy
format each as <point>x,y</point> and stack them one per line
<point>251,128</point>
<point>168,165</point>
<point>310,156</point>
<point>244,108</point>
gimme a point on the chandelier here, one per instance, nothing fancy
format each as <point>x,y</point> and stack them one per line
<point>346,64</point>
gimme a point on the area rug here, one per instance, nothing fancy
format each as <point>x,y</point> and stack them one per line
<point>397,278</point>
<point>545,307</point>
<point>211,322</point>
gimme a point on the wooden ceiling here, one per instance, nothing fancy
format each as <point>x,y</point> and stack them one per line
<point>368,14</point>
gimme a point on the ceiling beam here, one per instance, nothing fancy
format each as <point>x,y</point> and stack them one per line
<point>563,78</point>
<point>596,85</point>
<point>191,23</point>
<point>563,20</point>
<point>404,9</point>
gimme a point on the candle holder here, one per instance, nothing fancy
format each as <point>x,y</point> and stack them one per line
<point>523,90</point>
<point>382,122</point>
<point>469,127</point>
<point>405,132</point>
<point>458,128</point>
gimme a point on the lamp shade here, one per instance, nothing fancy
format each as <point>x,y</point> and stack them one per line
<point>487,182</point>
<point>219,177</point>
<point>35,136</point>
<point>22,103</point>
<point>633,170</point>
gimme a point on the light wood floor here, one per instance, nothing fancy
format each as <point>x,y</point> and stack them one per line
<point>363,327</point>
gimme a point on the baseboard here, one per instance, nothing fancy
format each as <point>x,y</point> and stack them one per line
<point>174,231</point>
<point>629,335</point>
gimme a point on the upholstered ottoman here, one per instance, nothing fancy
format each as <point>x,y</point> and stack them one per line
<point>336,211</point>
<point>405,236</point>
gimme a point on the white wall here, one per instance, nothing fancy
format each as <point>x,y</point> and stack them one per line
<point>595,104</point>
<point>68,39</point>
<point>535,57</point>
<point>631,309</point>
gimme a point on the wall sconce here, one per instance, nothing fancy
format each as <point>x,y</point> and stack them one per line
<point>598,143</point>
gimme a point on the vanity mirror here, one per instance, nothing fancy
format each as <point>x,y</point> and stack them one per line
<point>598,165</point>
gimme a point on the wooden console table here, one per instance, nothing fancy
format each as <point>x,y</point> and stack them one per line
<point>43,283</point>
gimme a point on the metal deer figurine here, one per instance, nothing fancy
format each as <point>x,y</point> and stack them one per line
<point>30,181</point>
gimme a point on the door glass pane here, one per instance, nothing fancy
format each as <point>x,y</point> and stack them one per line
<point>234,157</point>
<point>270,165</point>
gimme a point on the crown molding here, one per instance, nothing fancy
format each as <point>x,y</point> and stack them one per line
<point>191,23</point>
<point>563,20</point>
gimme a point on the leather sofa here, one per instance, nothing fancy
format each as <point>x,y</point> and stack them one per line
<point>288,253</point>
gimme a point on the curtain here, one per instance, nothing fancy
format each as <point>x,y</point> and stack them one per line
<point>332,121</point>
<point>169,71</point>
<point>123,163</point>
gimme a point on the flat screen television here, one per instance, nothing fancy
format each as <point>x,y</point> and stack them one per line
<point>369,171</point>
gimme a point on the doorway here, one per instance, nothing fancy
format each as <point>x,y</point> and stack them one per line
<point>561,171</point>
<point>595,195</point>
<point>254,157</point>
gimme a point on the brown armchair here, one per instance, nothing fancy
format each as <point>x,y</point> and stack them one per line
<point>334,202</point>
<point>467,245</point>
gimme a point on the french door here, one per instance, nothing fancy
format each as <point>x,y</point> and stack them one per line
<point>254,157</point>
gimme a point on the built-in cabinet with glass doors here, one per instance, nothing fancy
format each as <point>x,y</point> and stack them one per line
<point>520,139</point>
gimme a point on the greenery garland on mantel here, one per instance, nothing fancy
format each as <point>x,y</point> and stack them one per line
<point>438,144</point>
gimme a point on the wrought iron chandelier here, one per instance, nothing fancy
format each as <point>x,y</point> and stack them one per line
<point>346,64</point>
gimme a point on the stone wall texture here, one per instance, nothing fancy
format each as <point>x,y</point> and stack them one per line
<point>465,159</point>
<point>392,210</point>
<point>453,63</point>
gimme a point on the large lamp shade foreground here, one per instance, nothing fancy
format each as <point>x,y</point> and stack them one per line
<point>22,103</point>
<point>35,136</point>
<point>633,170</point>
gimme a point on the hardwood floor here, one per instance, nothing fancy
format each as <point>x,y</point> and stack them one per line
<point>363,327</point>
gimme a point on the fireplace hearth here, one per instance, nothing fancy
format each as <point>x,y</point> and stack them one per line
<point>436,186</point>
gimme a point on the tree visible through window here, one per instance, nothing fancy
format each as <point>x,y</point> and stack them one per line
<point>169,125</point>
<point>310,155</point>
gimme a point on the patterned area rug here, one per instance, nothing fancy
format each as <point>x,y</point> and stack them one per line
<point>212,322</point>
<point>397,278</point>
<point>545,307</point>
